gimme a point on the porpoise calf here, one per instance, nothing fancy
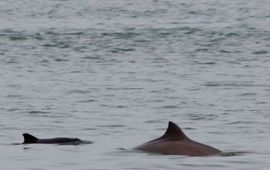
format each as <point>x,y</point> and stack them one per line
<point>30,139</point>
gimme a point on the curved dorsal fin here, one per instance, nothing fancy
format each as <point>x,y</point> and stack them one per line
<point>29,138</point>
<point>173,132</point>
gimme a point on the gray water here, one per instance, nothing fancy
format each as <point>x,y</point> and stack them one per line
<point>115,72</point>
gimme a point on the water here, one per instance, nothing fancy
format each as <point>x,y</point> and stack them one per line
<point>115,72</point>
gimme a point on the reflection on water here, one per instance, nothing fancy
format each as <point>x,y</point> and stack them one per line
<point>115,72</point>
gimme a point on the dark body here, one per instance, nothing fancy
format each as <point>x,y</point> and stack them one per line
<point>175,142</point>
<point>30,139</point>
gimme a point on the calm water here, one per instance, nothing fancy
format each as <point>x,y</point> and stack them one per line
<point>115,72</point>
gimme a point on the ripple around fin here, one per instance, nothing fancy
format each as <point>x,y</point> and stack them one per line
<point>233,153</point>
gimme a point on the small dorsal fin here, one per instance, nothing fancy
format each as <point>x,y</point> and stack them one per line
<point>29,138</point>
<point>173,132</point>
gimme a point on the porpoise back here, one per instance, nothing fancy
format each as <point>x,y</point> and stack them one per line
<point>30,139</point>
<point>175,142</point>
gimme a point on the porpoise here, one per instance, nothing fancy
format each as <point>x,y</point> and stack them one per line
<point>30,139</point>
<point>175,142</point>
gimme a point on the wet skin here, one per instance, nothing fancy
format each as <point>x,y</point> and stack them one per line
<point>30,139</point>
<point>175,142</point>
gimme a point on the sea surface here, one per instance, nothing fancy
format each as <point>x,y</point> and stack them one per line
<point>114,72</point>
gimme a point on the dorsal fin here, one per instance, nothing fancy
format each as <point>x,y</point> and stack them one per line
<point>29,138</point>
<point>173,132</point>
